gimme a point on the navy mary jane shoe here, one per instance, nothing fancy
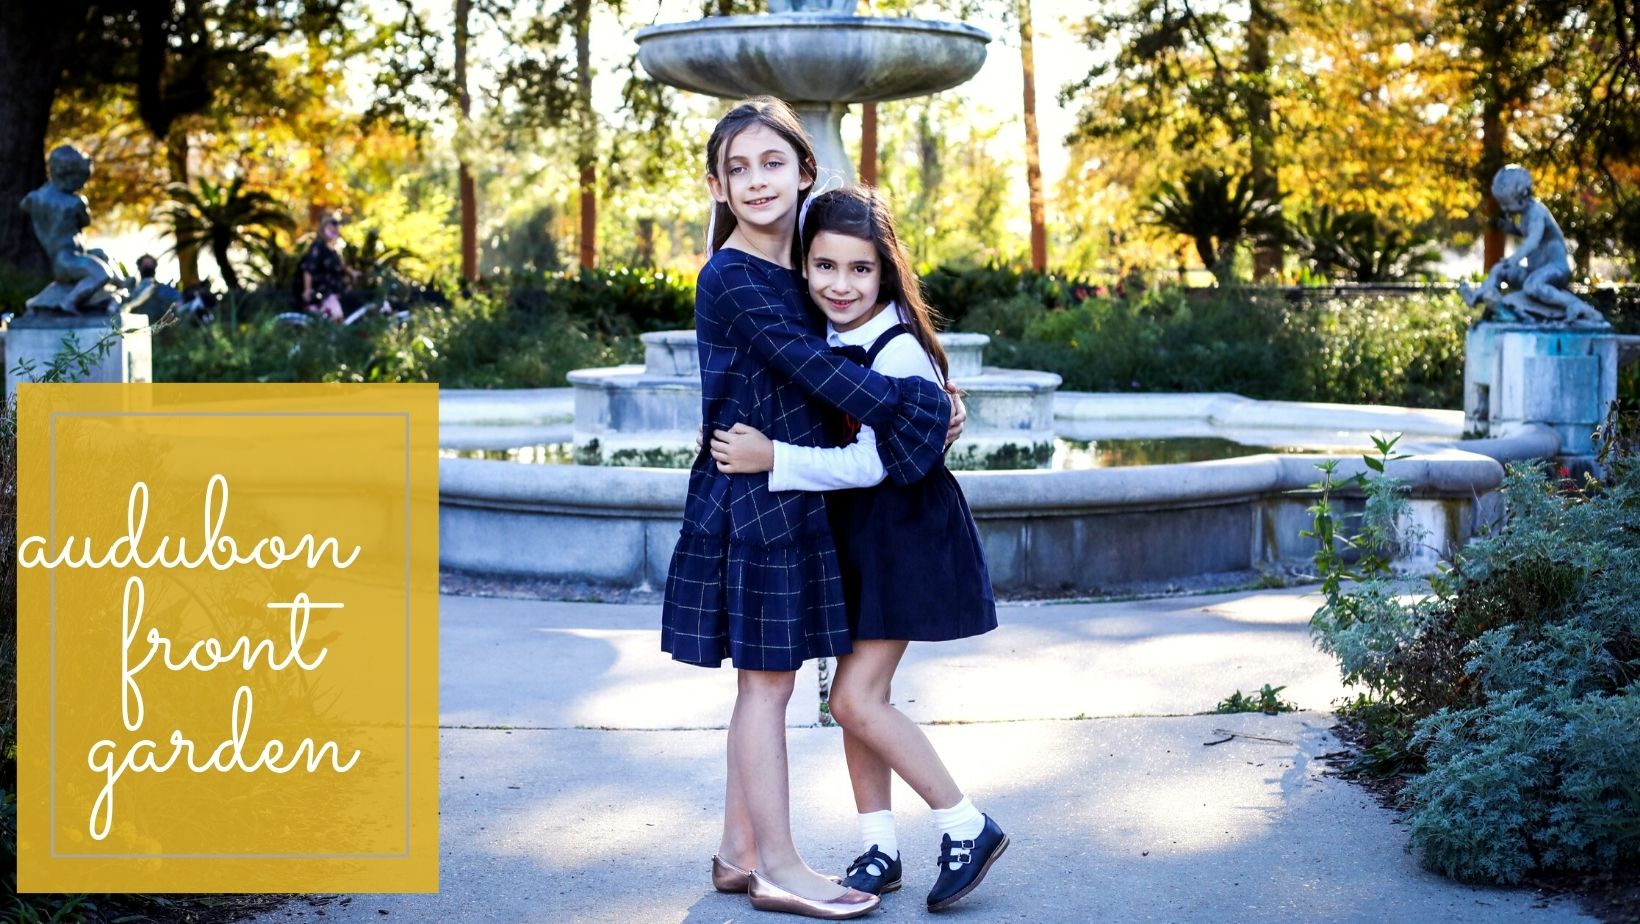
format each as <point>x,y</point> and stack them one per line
<point>971,859</point>
<point>873,872</point>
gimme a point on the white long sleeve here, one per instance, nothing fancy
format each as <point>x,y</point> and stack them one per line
<point>857,465</point>
<point>827,468</point>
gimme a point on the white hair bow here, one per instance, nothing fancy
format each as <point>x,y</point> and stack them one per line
<point>825,181</point>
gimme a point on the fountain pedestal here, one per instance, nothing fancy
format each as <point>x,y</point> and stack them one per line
<point>37,338</point>
<point>1516,374</point>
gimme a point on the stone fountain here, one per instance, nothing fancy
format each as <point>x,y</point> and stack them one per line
<point>816,56</point>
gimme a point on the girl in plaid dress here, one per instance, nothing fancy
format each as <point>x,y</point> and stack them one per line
<point>913,567</point>
<point>754,577</point>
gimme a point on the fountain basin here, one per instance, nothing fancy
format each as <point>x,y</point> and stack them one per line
<point>812,58</point>
<point>1066,532</point>
<point>819,63</point>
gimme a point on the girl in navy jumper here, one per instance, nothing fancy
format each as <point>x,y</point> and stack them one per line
<point>754,577</point>
<point>913,568</point>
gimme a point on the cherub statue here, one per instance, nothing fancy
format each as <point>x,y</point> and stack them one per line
<point>85,280</point>
<point>1538,271</point>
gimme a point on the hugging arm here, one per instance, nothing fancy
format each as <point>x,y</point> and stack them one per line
<point>743,449</point>
<point>909,415</point>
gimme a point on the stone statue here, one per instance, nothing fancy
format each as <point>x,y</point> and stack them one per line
<point>1538,271</point>
<point>834,7</point>
<point>84,280</point>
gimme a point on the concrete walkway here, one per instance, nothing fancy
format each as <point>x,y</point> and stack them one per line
<point>581,775</point>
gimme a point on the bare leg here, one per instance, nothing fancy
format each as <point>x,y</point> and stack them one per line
<point>869,774</point>
<point>871,726</point>
<point>738,844</point>
<point>757,758</point>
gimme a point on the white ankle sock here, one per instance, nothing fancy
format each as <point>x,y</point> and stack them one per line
<point>962,821</point>
<point>877,830</point>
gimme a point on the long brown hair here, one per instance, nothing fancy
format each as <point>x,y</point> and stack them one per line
<point>860,212</point>
<point>776,116</point>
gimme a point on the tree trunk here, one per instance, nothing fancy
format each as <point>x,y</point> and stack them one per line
<point>1268,256</point>
<point>931,174</point>
<point>230,278</point>
<point>468,189</point>
<point>34,41</point>
<point>646,242</point>
<point>176,161</point>
<point>868,144</point>
<point>1033,159</point>
<point>1492,160</point>
<point>586,150</point>
<point>1493,41</point>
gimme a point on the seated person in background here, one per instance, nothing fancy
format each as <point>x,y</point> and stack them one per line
<point>150,296</point>
<point>325,277</point>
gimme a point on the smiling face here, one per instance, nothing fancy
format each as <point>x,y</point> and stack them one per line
<point>845,278</point>
<point>760,180</point>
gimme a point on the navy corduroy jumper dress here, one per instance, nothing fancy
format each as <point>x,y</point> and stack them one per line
<point>754,577</point>
<point>912,562</point>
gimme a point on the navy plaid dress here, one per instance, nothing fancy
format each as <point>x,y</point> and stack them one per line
<point>754,577</point>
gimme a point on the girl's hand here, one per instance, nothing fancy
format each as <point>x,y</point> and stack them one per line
<point>959,414</point>
<point>742,450</point>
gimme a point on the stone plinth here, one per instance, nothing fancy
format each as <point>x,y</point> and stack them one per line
<point>36,339</point>
<point>1516,374</point>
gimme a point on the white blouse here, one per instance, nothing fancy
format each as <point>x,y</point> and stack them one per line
<point>857,465</point>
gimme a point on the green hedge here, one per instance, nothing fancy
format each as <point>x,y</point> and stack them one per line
<point>528,332</point>
<point>522,335</point>
<point>1401,350</point>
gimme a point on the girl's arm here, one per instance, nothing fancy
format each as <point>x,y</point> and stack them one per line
<point>744,450</point>
<point>822,468</point>
<point>909,415</point>
<point>815,468</point>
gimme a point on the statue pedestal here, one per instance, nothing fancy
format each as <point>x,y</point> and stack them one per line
<point>1563,377</point>
<point>37,338</point>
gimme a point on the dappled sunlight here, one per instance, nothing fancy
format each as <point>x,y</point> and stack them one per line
<point>566,677</point>
<point>1267,609</point>
<point>1115,819</point>
<point>1180,666</point>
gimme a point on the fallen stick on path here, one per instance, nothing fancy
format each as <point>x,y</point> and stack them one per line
<point>1230,735</point>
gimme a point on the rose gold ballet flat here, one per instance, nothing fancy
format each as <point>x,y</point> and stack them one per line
<point>766,896</point>
<point>727,877</point>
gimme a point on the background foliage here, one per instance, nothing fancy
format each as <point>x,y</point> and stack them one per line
<point>1514,686</point>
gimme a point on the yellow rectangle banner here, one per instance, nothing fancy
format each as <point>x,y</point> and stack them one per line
<point>227,638</point>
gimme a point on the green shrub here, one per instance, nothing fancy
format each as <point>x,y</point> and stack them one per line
<point>528,337</point>
<point>1254,342</point>
<point>956,290</point>
<point>1516,683</point>
<point>18,286</point>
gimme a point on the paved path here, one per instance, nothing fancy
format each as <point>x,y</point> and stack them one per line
<point>581,775</point>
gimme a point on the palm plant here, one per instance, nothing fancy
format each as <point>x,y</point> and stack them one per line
<point>223,216</point>
<point>1217,212</point>
<point>1359,246</point>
